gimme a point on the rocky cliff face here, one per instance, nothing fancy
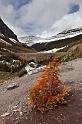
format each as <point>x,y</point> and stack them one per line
<point>6,31</point>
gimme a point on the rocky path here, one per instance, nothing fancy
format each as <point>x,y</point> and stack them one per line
<point>14,101</point>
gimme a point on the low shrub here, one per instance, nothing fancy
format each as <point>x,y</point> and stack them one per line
<point>48,92</point>
<point>71,55</point>
<point>4,66</point>
<point>11,63</point>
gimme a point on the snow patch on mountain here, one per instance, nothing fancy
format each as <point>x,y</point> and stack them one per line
<point>13,40</point>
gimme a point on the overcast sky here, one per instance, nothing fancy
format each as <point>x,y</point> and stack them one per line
<point>32,17</point>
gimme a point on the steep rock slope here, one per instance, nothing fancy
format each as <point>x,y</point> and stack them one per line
<point>6,31</point>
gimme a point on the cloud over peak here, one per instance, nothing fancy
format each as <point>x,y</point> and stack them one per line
<point>37,16</point>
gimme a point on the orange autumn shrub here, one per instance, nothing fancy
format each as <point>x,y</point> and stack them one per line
<point>48,93</point>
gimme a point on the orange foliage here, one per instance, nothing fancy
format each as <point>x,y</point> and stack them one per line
<point>47,93</point>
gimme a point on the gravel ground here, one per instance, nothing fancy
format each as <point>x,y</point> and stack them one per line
<point>14,101</point>
<point>9,98</point>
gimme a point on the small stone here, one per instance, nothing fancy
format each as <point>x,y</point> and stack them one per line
<point>14,107</point>
<point>21,113</point>
<point>4,115</point>
<point>12,86</point>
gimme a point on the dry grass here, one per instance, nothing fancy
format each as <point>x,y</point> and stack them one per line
<point>5,76</point>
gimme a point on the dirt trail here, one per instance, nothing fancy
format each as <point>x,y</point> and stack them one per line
<point>71,75</point>
<point>9,98</point>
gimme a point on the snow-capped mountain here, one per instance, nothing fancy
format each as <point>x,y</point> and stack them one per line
<point>67,34</point>
<point>39,42</point>
<point>29,40</point>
